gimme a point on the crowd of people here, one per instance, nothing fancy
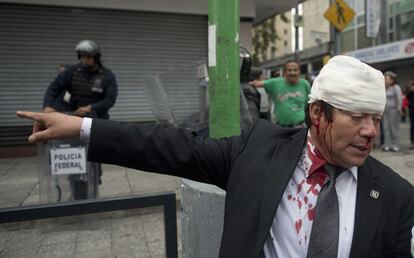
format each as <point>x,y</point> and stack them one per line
<point>289,94</point>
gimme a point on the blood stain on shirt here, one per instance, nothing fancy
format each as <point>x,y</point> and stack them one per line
<point>299,204</point>
<point>289,197</point>
<point>311,213</point>
<point>300,186</point>
<point>298,226</point>
<point>318,179</point>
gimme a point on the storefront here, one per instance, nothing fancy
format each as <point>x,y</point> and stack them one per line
<point>397,57</point>
<point>35,40</point>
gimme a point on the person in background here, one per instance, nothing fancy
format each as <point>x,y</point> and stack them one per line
<point>404,106</point>
<point>92,86</point>
<point>290,192</point>
<point>289,95</point>
<point>265,101</point>
<point>61,103</point>
<point>410,98</point>
<point>392,113</point>
<point>87,89</point>
<point>250,97</point>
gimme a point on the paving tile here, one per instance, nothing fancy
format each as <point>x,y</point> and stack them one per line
<point>56,250</point>
<point>114,177</point>
<point>22,243</point>
<point>7,164</point>
<point>23,252</point>
<point>12,195</point>
<point>93,243</point>
<point>60,236</point>
<point>142,182</point>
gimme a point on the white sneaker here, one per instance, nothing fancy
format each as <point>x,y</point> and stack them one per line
<point>395,148</point>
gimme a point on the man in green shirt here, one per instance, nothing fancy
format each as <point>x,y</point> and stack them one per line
<point>289,95</point>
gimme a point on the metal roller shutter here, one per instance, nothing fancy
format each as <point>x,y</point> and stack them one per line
<point>34,40</point>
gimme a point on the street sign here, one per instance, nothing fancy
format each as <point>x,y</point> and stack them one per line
<point>339,14</point>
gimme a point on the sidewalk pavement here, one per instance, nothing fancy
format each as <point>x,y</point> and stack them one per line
<point>132,233</point>
<point>137,233</point>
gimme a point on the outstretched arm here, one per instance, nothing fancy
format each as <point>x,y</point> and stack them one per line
<point>157,149</point>
<point>50,126</point>
<point>257,83</point>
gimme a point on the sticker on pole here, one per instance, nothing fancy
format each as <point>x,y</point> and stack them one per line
<point>66,161</point>
<point>212,45</point>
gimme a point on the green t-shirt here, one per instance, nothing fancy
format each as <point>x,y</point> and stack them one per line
<point>289,99</point>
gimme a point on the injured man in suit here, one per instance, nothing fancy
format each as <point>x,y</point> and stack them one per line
<point>290,192</point>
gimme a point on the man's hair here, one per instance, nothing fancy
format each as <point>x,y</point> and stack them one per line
<point>325,108</point>
<point>288,62</point>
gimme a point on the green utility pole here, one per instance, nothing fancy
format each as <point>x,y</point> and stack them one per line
<point>224,70</point>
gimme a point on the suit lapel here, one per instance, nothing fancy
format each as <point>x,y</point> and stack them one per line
<point>368,207</point>
<point>280,170</point>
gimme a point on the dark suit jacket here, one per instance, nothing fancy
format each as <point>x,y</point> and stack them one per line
<point>254,169</point>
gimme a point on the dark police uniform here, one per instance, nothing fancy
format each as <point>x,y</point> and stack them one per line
<point>98,89</point>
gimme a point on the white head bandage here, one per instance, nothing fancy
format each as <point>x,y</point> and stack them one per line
<point>348,84</point>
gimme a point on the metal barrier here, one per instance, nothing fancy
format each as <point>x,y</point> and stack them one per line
<point>81,207</point>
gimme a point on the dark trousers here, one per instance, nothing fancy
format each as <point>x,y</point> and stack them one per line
<point>411,111</point>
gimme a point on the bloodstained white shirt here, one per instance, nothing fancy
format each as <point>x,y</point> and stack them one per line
<point>291,228</point>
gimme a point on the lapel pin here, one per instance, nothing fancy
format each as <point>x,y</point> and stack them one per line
<point>374,194</point>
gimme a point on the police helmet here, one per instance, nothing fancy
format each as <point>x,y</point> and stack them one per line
<point>88,48</point>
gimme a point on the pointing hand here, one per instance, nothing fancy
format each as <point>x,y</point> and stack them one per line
<point>50,126</point>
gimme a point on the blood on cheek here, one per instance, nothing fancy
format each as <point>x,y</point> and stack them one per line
<point>321,134</point>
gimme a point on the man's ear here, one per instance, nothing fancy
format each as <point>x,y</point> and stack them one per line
<point>315,113</point>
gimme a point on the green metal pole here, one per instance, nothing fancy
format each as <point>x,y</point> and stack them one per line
<point>224,70</point>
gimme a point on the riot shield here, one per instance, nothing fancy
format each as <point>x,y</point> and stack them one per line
<point>66,174</point>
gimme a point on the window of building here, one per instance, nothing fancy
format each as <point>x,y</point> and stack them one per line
<point>348,40</point>
<point>363,41</point>
<point>404,28</point>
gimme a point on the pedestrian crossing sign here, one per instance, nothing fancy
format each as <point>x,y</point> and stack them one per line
<point>339,14</point>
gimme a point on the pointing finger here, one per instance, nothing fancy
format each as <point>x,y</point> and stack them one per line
<point>30,115</point>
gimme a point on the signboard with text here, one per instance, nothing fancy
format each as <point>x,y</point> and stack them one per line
<point>372,18</point>
<point>339,14</point>
<point>387,52</point>
<point>66,161</point>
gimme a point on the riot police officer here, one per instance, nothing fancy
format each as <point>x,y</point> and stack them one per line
<point>251,112</point>
<point>92,87</point>
<point>88,89</point>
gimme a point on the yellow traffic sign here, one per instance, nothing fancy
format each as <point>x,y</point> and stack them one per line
<point>339,14</point>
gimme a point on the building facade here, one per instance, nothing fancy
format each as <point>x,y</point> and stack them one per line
<point>139,40</point>
<point>389,49</point>
<point>271,39</point>
<point>393,46</point>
